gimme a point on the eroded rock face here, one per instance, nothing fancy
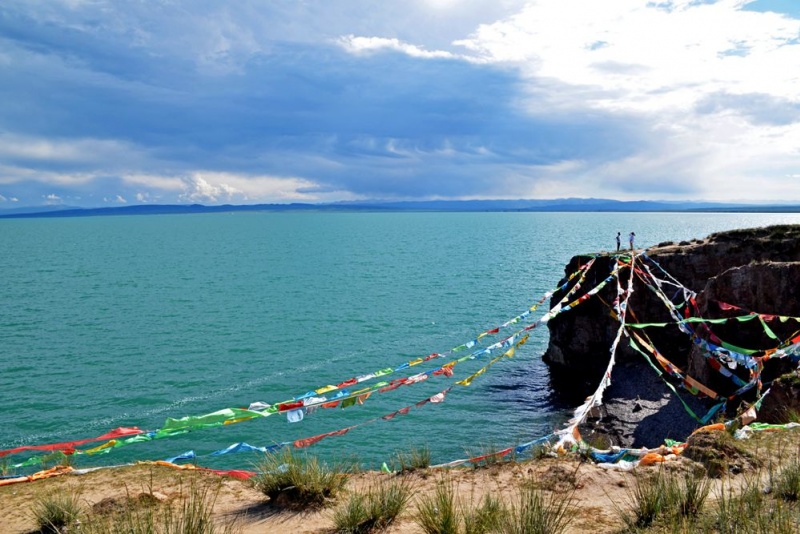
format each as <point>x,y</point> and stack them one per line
<point>782,405</point>
<point>754,269</point>
<point>770,287</point>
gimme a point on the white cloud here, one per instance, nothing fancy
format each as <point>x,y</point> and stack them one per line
<point>717,85</point>
<point>360,45</point>
<point>644,57</point>
<point>721,161</point>
<point>155,181</point>
<point>10,174</point>
<point>53,199</point>
<point>442,4</point>
<point>222,186</point>
<point>36,150</point>
<point>546,181</point>
<point>214,187</point>
<point>22,147</point>
<point>198,189</point>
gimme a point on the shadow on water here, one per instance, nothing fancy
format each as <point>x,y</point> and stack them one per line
<point>569,388</point>
<point>542,391</point>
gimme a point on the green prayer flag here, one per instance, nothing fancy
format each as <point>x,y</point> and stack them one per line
<point>209,420</point>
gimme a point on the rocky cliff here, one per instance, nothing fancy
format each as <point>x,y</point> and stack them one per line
<point>754,270</point>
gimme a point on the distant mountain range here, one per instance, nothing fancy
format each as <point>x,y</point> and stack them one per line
<point>555,205</point>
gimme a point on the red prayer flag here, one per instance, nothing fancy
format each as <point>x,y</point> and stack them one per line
<point>116,433</point>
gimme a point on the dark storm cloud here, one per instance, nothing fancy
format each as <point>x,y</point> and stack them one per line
<point>252,100</point>
<point>384,124</point>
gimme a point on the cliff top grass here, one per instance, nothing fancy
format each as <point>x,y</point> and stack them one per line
<point>780,231</point>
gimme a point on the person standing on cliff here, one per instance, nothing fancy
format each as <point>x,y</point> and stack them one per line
<point>630,240</point>
<point>618,239</point>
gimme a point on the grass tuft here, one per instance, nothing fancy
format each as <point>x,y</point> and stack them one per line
<point>538,511</point>
<point>6,468</point>
<point>444,513</point>
<point>439,514</point>
<point>353,517</point>
<point>748,509</point>
<point>375,510</point>
<point>299,481</point>
<point>57,511</point>
<point>646,499</point>
<point>664,494</point>
<point>190,514</point>
<point>486,518</point>
<point>414,459</point>
<point>788,485</point>
<point>688,494</point>
<point>792,415</point>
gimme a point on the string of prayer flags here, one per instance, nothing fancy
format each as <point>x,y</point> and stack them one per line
<point>570,434</point>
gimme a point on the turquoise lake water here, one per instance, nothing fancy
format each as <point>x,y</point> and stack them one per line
<point>125,321</point>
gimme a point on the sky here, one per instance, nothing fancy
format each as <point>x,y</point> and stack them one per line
<point>110,103</point>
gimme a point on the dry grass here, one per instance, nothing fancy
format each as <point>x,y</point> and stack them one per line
<point>760,498</point>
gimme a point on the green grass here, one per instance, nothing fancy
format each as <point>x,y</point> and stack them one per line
<point>300,481</point>
<point>192,513</point>
<point>791,416</point>
<point>5,468</point>
<point>439,514</point>
<point>534,511</point>
<point>55,458</point>
<point>444,513</point>
<point>485,518</point>
<point>57,511</point>
<point>353,517</point>
<point>788,484</point>
<point>375,510</point>
<point>412,460</point>
<point>646,500</point>
<point>748,509</point>
<point>666,501</point>
<point>538,512</point>
<point>685,494</point>
<point>664,495</point>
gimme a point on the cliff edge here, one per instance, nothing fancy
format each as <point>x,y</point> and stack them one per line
<point>733,274</point>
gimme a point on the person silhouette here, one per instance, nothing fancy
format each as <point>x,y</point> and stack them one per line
<point>618,238</point>
<point>630,239</point>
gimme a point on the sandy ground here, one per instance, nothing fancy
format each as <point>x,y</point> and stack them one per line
<point>598,493</point>
<point>594,490</point>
